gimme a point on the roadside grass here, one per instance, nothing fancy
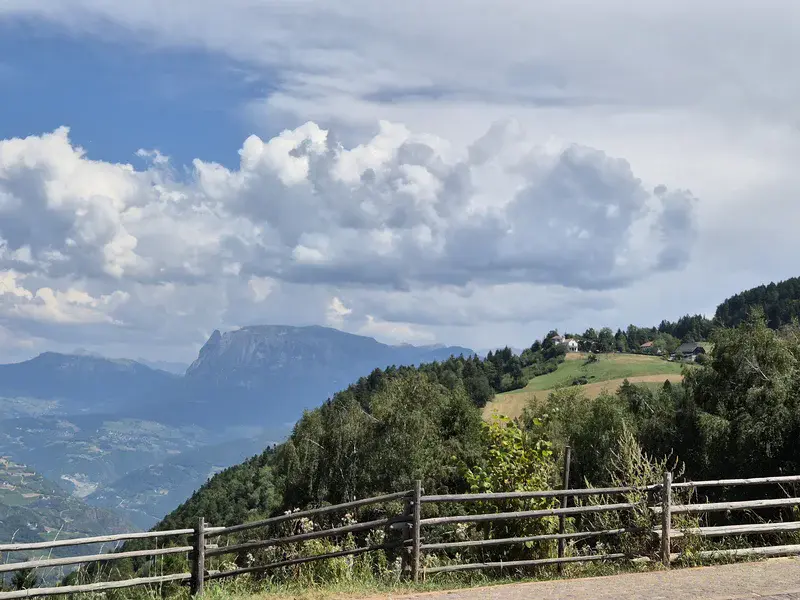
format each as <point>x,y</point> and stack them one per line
<point>374,590</point>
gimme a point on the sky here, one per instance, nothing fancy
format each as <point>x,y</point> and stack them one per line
<point>468,172</point>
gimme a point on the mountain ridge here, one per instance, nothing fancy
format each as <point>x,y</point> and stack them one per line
<point>80,382</point>
<point>271,372</point>
<point>252,340</point>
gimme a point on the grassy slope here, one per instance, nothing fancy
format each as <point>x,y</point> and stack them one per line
<point>606,373</point>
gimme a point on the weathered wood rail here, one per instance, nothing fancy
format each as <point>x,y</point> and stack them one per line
<point>412,523</point>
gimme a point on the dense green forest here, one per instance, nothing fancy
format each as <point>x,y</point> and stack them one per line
<point>667,336</point>
<point>780,302</point>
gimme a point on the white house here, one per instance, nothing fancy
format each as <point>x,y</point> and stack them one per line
<point>570,343</point>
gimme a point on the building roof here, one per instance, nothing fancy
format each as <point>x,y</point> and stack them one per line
<point>689,347</point>
<point>647,345</point>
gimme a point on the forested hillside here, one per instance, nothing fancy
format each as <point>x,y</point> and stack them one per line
<point>696,420</point>
<point>738,415</point>
<point>381,433</point>
<point>780,302</point>
<point>234,495</point>
<point>364,438</point>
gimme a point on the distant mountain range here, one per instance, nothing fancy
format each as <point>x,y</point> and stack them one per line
<point>264,376</point>
<point>123,435</point>
<point>83,383</point>
<point>176,368</point>
<point>270,374</point>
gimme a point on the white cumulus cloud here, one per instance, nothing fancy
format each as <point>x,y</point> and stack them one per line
<point>86,241</point>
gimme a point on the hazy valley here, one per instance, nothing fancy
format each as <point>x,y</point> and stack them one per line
<point>121,436</point>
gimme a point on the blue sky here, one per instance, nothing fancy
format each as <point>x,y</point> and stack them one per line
<point>467,173</point>
<point>119,97</point>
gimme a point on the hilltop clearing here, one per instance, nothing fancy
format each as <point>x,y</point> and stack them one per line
<point>608,372</point>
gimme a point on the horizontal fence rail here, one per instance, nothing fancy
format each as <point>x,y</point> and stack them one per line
<point>303,537</point>
<point>101,539</point>
<point>74,560</point>
<point>688,509</point>
<point>408,542</point>
<point>528,514</point>
<point>314,512</point>
<point>93,587</point>
<point>303,560</point>
<point>749,529</point>
<point>737,482</point>
<point>575,492</point>
<point>524,540</point>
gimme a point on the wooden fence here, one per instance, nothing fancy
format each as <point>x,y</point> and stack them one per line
<point>410,525</point>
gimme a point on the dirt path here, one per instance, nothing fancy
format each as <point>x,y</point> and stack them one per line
<point>776,579</point>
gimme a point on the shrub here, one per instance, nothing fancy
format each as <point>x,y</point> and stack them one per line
<point>514,460</point>
<point>630,466</point>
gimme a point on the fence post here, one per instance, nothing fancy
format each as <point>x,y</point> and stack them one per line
<point>407,529</point>
<point>199,559</point>
<point>666,518</point>
<point>415,531</point>
<point>562,521</point>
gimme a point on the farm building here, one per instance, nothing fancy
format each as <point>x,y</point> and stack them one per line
<point>688,351</point>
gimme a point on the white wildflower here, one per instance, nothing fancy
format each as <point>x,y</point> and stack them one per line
<point>376,537</point>
<point>306,525</point>
<point>397,566</point>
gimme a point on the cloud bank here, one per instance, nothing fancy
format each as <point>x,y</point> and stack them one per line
<point>133,251</point>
